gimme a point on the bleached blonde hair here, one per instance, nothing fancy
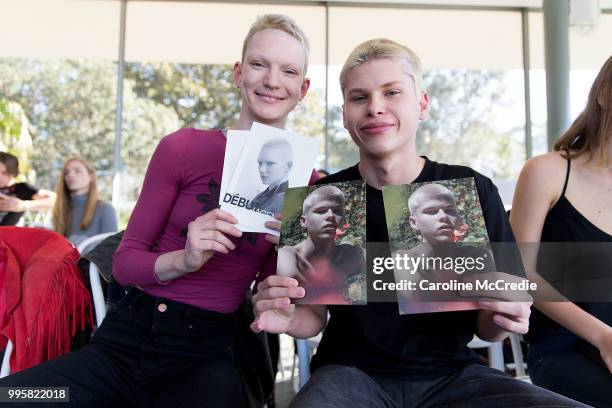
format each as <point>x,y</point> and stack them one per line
<point>380,48</point>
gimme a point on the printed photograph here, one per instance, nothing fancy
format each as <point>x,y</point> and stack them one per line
<point>322,242</point>
<point>437,236</point>
<point>270,161</point>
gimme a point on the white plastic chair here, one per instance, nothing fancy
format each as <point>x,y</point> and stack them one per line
<point>96,290</point>
<point>495,352</point>
<point>305,350</point>
<point>94,276</point>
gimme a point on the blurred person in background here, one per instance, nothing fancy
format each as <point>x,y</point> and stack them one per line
<point>78,212</point>
<point>17,198</point>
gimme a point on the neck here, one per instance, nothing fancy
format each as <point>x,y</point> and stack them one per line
<point>79,192</point>
<point>245,122</point>
<point>276,185</point>
<point>399,167</point>
<point>317,246</point>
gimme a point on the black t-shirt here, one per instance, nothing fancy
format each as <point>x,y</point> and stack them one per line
<point>22,191</point>
<point>374,337</point>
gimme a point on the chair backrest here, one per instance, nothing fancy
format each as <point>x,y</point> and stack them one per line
<point>94,277</point>
<point>90,243</point>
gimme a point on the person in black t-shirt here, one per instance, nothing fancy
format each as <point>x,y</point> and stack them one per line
<point>17,198</point>
<point>370,356</point>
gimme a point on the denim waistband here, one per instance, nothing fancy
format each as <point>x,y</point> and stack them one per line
<point>159,306</point>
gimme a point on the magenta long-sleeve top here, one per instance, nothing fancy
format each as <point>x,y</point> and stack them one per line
<point>183,182</point>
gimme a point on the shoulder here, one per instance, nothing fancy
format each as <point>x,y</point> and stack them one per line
<point>348,248</point>
<point>177,151</point>
<point>484,185</point>
<point>545,166</point>
<point>544,174</point>
<point>25,190</point>
<point>188,135</point>
<point>348,174</point>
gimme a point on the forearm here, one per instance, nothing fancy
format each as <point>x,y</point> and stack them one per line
<point>307,321</point>
<point>170,265</point>
<point>42,201</point>
<point>576,320</point>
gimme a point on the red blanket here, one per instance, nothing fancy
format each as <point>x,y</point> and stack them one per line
<point>43,300</point>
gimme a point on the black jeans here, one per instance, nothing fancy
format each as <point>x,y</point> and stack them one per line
<point>575,375</point>
<point>148,352</point>
<point>475,386</point>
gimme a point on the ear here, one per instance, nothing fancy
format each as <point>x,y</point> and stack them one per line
<point>289,166</point>
<point>237,73</point>
<point>413,224</point>
<point>304,87</point>
<point>424,106</point>
<point>303,221</point>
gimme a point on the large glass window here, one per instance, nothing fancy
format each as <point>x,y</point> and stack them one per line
<point>56,63</point>
<point>475,82</point>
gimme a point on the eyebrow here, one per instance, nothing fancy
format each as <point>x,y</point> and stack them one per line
<point>386,85</point>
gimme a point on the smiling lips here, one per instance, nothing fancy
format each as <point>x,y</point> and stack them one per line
<point>375,128</point>
<point>269,97</point>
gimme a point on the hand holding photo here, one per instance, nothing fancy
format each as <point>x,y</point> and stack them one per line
<point>322,242</point>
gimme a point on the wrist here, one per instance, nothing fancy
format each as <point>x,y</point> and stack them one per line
<point>601,335</point>
<point>24,205</point>
<point>180,262</point>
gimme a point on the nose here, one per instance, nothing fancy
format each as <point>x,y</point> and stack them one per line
<point>376,106</point>
<point>272,78</point>
<point>329,215</point>
<point>443,216</point>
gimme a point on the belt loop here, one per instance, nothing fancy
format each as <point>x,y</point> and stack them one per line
<point>138,294</point>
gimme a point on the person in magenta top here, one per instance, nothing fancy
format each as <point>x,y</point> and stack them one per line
<point>172,339</point>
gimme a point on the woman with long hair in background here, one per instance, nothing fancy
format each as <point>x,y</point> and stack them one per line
<point>78,212</point>
<point>566,196</point>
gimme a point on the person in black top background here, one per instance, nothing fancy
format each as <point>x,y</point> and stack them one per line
<point>17,198</point>
<point>370,356</point>
<point>570,344</point>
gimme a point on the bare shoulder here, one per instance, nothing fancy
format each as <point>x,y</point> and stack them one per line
<point>546,165</point>
<point>546,173</point>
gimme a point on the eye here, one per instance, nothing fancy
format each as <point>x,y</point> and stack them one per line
<point>256,64</point>
<point>358,98</point>
<point>291,72</point>
<point>393,92</point>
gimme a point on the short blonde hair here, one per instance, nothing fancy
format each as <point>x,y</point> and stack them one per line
<point>282,23</point>
<point>379,48</point>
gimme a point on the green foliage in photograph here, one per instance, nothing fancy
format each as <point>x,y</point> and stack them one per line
<point>401,234</point>
<point>292,232</point>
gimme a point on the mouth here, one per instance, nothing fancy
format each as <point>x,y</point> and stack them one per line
<point>375,128</point>
<point>268,97</point>
<point>446,228</point>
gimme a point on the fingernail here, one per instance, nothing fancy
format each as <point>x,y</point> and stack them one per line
<point>484,304</point>
<point>286,302</point>
<point>301,292</point>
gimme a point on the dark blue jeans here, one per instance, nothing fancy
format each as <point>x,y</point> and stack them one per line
<point>575,375</point>
<point>473,387</point>
<point>149,352</point>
